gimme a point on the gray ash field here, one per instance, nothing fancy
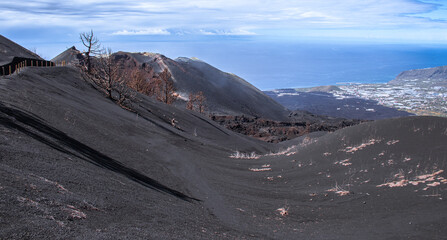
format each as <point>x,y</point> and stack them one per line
<point>75,165</point>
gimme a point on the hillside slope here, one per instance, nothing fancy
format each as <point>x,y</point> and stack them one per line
<point>226,94</point>
<point>70,56</point>
<point>75,165</point>
<point>87,165</point>
<point>436,75</point>
<point>10,49</point>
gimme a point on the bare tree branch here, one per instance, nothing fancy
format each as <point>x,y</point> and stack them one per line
<point>91,42</point>
<point>166,87</point>
<point>140,80</point>
<point>108,74</point>
<point>196,102</point>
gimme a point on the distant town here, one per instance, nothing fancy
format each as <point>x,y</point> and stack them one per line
<point>414,96</point>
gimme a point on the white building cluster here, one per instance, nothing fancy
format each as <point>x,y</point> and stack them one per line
<point>419,97</point>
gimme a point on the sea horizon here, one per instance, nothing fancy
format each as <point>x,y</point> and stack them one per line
<point>271,64</point>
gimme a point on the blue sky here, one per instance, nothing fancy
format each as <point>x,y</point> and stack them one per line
<point>49,26</point>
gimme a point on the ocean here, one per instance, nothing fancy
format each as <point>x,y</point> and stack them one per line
<point>280,64</point>
<point>270,65</point>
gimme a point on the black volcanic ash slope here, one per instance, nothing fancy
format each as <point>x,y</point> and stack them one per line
<point>384,179</point>
<point>227,94</point>
<point>10,49</point>
<point>71,159</point>
<point>75,165</point>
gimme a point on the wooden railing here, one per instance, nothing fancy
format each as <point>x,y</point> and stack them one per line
<point>18,63</point>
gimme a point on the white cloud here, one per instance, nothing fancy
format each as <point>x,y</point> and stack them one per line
<point>221,17</point>
<point>147,31</point>
<point>235,32</point>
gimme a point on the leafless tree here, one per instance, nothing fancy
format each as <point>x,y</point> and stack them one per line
<point>91,42</point>
<point>200,98</point>
<point>196,102</point>
<point>190,103</point>
<point>140,80</point>
<point>164,87</point>
<point>108,74</point>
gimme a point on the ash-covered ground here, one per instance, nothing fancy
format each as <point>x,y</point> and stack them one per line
<point>74,165</point>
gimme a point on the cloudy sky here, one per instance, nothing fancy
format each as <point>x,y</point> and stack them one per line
<point>39,22</point>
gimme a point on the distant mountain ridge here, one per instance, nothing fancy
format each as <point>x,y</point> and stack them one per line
<point>226,94</point>
<point>435,75</point>
<point>69,56</point>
